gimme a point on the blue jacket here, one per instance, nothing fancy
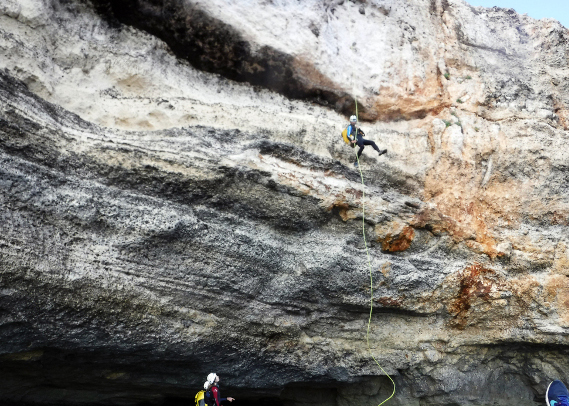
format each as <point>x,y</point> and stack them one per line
<point>352,132</point>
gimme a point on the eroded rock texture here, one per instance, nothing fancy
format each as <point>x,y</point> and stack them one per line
<point>176,199</point>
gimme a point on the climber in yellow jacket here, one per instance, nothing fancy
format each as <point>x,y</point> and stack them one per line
<point>355,136</point>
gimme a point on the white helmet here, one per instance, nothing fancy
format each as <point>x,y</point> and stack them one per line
<point>353,119</point>
<point>211,377</point>
<point>206,385</point>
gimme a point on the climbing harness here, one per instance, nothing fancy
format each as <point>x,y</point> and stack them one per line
<point>367,250</point>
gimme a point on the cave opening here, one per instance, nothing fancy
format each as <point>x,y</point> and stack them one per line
<point>241,401</point>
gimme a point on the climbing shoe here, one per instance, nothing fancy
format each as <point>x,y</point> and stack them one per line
<point>382,152</point>
<point>557,394</point>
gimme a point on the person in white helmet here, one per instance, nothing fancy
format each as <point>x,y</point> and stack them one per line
<point>212,396</point>
<point>356,136</point>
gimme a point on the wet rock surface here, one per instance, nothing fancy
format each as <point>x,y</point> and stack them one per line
<point>162,218</point>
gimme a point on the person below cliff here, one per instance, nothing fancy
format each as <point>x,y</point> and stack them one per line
<point>213,397</point>
<point>356,137</point>
<point>557,394</point>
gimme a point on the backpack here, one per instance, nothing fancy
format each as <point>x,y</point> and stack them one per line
<point>204,398</point>
<point>347,138</point>
<point>200,401</point>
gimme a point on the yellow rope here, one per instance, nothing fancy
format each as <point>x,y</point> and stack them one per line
<point>364,231</point>
<point>369,265</point>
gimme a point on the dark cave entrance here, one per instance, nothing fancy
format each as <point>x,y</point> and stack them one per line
<point>241,401</point>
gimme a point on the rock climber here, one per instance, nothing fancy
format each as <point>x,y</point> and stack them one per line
<point>356,137</point>
<point>556,394</point>
<point>212,396</point>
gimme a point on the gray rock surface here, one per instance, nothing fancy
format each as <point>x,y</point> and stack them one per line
<point>175,199</point>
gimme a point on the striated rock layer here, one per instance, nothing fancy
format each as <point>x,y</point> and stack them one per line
<point>176,199</point>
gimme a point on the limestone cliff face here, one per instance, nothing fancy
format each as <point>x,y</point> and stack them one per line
<point>176,199</point>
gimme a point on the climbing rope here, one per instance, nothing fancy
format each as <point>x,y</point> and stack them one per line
<point>370,272</point>
<point>367,250</point>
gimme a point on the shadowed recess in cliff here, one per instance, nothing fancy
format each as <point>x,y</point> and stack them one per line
<point>213,46</point>
<point>98,378</point>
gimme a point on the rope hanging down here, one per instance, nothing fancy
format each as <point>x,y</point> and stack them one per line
<point>367,251</point>
<point>370,275</point>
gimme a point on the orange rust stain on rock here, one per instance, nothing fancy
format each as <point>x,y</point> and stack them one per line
<point>391,103</point>
<point>472,227</point>
<point>456,189</point>
<point>388,301</point>
<point>405,107</point>
<point>527,288</point>
<point>357,193</point>
<point>475,283</point>
<point>385,269</point>
<point>558,218</point>
<point>556,284</point>
<point>562,112</point>
<point>342,207</point>
<point>484,248</point>
<point>437,223</point>
<point>399,242</point>
<point>395,103</point>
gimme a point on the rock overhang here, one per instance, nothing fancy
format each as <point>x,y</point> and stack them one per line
<point>153,229</point>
